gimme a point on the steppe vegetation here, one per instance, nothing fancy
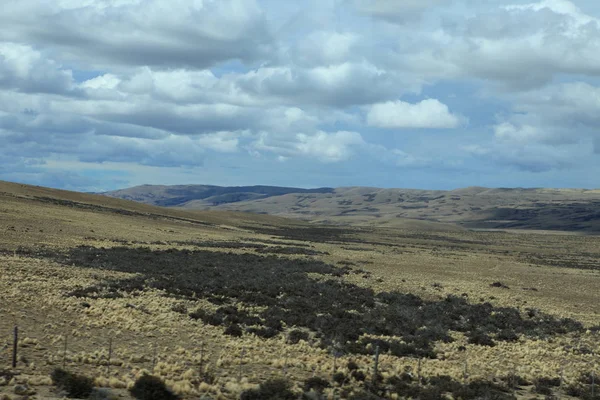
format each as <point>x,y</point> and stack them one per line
<point>114,298</point>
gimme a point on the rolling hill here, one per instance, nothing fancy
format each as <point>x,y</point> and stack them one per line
<point>216,303</point>
<point>575,210</point>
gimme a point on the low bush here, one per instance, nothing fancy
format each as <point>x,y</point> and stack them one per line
<point>150,387</point>
<point>74,385</point>
<point>316,383</point>
<point>481,339</point>
<point>339,378</point>
<point>276,389</point>
<point>296,335</point>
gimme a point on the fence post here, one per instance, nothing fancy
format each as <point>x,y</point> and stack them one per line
<point>109,355</point>
<point>466,371</point>
<point>153,357</point>
<point>593,383</point>
<point>15,347</point>
<point>419,375</point>
<point>201,359</point>
<point>241,364</point>
<point>376,366</point>
<point>65,351</point>
<point>335,357</point>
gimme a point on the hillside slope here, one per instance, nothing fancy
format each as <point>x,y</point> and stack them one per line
<point>203,195</point>
<point>474,207</point>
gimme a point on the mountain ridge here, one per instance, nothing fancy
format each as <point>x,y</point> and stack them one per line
<point>475,207</point>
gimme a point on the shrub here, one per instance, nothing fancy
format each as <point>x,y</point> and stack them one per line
<point>513,381</point>
<point>262,332</point>
<point>352,365</point>
<point>316,383</point>
<point>482,389</point>
<point>339,378</point>
<point>544,385</point>
<point>364,396</point>
<point>587,378</point>
<point>358,375</point>
<point>296,335</point>
<point>234,330</point>
<point>276,389</point>
<point>78,386</point>
<point>481,339</point>
<point>499,285</point>
<point>150,387</point>
<point>507,335</point>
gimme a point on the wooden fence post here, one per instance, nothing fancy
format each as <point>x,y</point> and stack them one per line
<point>376,366</point>
<point>110,349</point>
<point>15,347</point>
<point>65,351</point>
<point>241,364</point>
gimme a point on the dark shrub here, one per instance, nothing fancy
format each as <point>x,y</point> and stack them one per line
<point>507,335</point>
<point>276,389</point>
<point>403,349</point>
<point>316,383</point>
<point>296,335</point>
<point>445,384</point>
<point>431,393</point>
<point>544,385</point>
<point>587,378</point>
<point>552,382</point>
<point>482,389</point>
<point>282,292</point>
<point>358,375</point>
<point>499,285</point>
<point>265,333</point>
<point>77,386</point>
<point>150,387</point>
<point>364,396</point>
<point>352,365</point>
<point>481,339</point>
<point>513,381</point>
<point>339,378</point>
<point>234,330</point>
<point>179,308</point>
<point>575,391</point>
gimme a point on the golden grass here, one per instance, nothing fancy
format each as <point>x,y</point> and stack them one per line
<point>151,337</point>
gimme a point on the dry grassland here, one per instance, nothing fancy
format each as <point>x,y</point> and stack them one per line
<point>151,330</point>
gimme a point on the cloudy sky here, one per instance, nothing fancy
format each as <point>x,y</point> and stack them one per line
<point>103,94</point>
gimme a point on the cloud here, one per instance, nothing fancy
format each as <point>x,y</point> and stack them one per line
<point>336,85</point>
<point>327,147</point>
<point>196,84</point>
<point>103,34</point>
<point>24,69</point>
<point>526,46</point>
<point>430,113</point>
<point>396,11</point>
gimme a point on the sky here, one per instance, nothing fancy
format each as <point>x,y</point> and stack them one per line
<point>97,95</point>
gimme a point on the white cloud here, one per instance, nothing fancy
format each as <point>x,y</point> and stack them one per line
<point>169,83</point>
<point>25,69</point>
<point>224,142</point>
<point>430,113</point>
<point>395,10</point>
<point>329,147</point>
<point>106,34</point>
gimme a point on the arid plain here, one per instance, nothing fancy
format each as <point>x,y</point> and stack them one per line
<point>217,302</point>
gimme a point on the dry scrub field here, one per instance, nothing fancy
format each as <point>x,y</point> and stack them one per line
<point>216,303</point>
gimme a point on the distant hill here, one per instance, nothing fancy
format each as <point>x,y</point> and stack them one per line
<point>473,207</point>
<point>203,195</point>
